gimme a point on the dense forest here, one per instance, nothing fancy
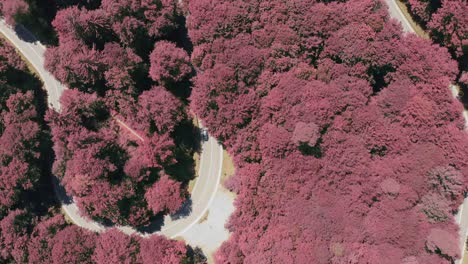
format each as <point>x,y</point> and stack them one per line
<point>447,24</point>
<point>32,229</point>
<point>348,145</point>
<point>122,141</point>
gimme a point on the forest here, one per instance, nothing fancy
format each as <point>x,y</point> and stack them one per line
<point>348,145</point>
<point>122,141</point>
<point>447,24</point>
<point>117,141</point>
<point>32,229</point>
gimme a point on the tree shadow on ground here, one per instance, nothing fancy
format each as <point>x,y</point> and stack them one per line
<point>23,80</point>
<point>182,89</point>
<point>184,210</point>
<point>187,140</point>
<point>39,21</point>
<point>40,199</point>
<point>157,222</point>
<point>180,35</point>
<point>26,35</point>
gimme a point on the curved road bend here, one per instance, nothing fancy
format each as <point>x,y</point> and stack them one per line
<point>462,216</point>
<point>210,162</point>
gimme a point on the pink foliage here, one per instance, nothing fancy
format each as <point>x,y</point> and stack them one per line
<point>274,141</point>
<point>308,133</point>
<point>169,63</point>
<point>10,8</point>
<point>9,57</point>
<point>14,236</point>
<point>100,168</point>
<point>435,207</point>
<point>84,145</point>
<point>161,249</point>
<point>421,8</point>
<point>41,239</point>
<point>129,16</point>
<point>383,134</point>
<point>10,177</point>
<point>390,186</point>
<point>464,78</point>
<point>156,106</point>
<point>114,246</point>
<point>73,245</point>
<point>164,195</point>
<point>446,22</point>
<point>113,136</point>
<point>444,241</point>
<point>447,180</point>
<point>75,23</point>
<point>19,152</point>
<point>74,63</point>
<point>450,25</point>
<point>120,63</point>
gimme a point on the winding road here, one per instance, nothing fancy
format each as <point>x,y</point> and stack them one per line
<point>462,216</point>
<point>209,174</point>
<point>208,181</point>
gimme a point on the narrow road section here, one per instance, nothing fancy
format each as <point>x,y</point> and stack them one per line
<point>209,175</point>
<point>462,216</point>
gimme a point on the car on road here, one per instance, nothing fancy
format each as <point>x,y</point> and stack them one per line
<point>204,134</point>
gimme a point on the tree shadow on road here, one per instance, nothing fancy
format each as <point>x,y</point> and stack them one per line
<point>61,194</point>
<point>184,210</point>
<point>24,34</point>
<point>38,20</point>
<point>157,222</point>
<point>187,140</point>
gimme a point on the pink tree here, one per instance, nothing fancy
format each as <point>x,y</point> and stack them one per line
<point>307,133</point>
<point>14,236</point>
<point>9,57</point>
<point>73,245</point>
<point>443,241</point>
<point>41,239</point>
<point>87,26</point>
<point>169,63</point>
<point>449,26</point>
<point>99,166</point>
<point>381,109</point>
<point>120,64</point>
<point>422,8</point>
<point>11,8</point>
<point>157,112</point>
<point>159,248</point>
<point>114,246</point>
<point>464,78</point>
<point>10,179</point>
<point>20,140</point>
<point>164,195</point>
<point>128,17</point>
<point>447,180</point>
<point>75,64</point>
<point>435,207</point>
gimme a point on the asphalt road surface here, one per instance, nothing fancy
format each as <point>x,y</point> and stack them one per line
<point>211,159</point>
<point>461,217</point>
